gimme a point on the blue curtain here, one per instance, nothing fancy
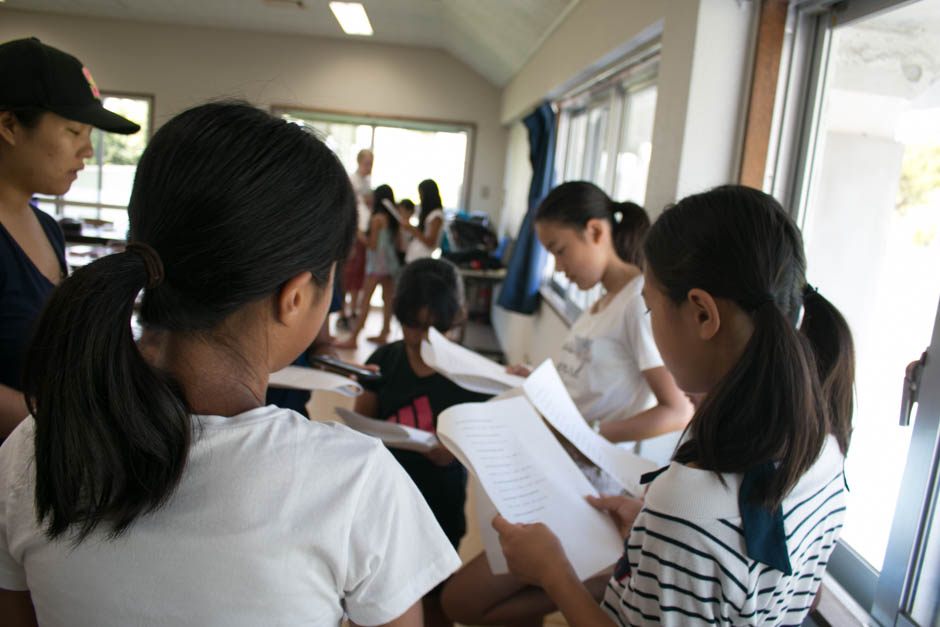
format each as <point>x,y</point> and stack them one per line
<point>520,290</point>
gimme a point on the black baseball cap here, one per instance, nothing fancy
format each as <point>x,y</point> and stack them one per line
<point>33,74</point>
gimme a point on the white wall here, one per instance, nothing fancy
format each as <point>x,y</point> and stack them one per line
<point>517,180</point>
<point>183,65</point>
<point>704,73</point>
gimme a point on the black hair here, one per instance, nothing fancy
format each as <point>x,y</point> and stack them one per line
<point>574,203</point>
<point>380,194</point>
<point>430,198</point>
<point>27,116</point>
<point>214,192</point>
<point>789,388</point>
<point>434,285</point>
<point>407,203</point>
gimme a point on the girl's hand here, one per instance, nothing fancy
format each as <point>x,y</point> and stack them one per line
<point>623,509</point>
<point>519,369</point>
<point>440,456</point>
<point>533,553</point>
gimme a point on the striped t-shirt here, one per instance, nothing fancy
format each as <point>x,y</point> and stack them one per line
<point>686,560</point>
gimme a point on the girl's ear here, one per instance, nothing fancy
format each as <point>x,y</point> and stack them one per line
<point>705,312</point>
<point>8,127</point>
<point>594,230</point>
<point>295,298</point>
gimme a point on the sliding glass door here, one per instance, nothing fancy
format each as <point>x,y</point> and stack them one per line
<point>859,163</point>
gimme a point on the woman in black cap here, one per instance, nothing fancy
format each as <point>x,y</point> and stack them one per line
<point>48,106</point>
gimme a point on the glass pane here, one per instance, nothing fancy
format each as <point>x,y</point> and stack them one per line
<point>77,212</point>
<point>574,158</point>
<point>633,156</point>
<point>926,607</point>
<point>116,223</point>
<point>405,157</point>
<point>346,140</point>
<point>871,230</point>
<point>109,175</point>
<point>45,204</point>
<point>595,150</point>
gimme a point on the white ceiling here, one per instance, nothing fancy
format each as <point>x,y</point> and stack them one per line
<point>494,37</point>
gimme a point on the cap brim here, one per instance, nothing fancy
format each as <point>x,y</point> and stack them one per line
<point>97,116</point>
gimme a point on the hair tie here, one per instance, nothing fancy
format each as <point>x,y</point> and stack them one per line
<point>152,262</point>
<point>766,299</point>
<point>618,217</point>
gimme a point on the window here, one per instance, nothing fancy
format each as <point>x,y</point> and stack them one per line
<point>406,152</point>
<point>100,195</point>
<point>605,131</point>
<point>857,162</point>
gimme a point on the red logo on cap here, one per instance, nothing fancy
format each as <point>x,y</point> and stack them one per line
<point>91,83</point>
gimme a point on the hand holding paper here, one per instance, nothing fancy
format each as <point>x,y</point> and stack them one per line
<point>533,552</point>
<point>530,478</point>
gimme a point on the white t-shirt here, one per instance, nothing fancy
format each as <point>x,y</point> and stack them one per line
<point>362,186</point>
<point>418,249</point>
<point>687,560</point>
<point>602,362</point>
<point>277,521</point>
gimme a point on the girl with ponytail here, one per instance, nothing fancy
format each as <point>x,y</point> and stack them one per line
<point>152,485</point>
<point>609,362</point>
<point>739,527</point>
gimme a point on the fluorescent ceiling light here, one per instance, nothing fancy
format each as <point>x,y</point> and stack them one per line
<point>352,17</point>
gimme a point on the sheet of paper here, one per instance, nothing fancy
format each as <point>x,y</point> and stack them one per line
<point>300,378</point>
<point>392,209</point>
<point>466,368</point>
<point>547,392</point>
<point>485,513</point>
<point>530,478</point>
<point>394,435</point>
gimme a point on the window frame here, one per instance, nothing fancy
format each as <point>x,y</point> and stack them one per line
<point>412,123</point>
<point>59,202</point>
<point>887,594</point>
<point>612,88</point>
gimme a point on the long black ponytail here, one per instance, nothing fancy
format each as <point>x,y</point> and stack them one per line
<point>234,202</point>
<point>381,195</point>
<point>575,202</point>
<point>790,388</point>
<point>430,198</point>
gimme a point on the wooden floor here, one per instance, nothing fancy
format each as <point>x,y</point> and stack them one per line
<point>322,407</point>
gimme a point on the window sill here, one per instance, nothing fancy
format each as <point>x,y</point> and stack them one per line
<point>834,607</point>
<point>568,312</point>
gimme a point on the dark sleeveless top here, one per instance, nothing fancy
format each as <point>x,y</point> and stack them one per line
<point>23,292</point>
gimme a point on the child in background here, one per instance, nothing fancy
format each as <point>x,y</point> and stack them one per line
<point>428,234</point>
<point>740,527</point>
<point>382,266</point>
<point>406,209</point>
<point>152,485</point>
<point>411,393</point>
